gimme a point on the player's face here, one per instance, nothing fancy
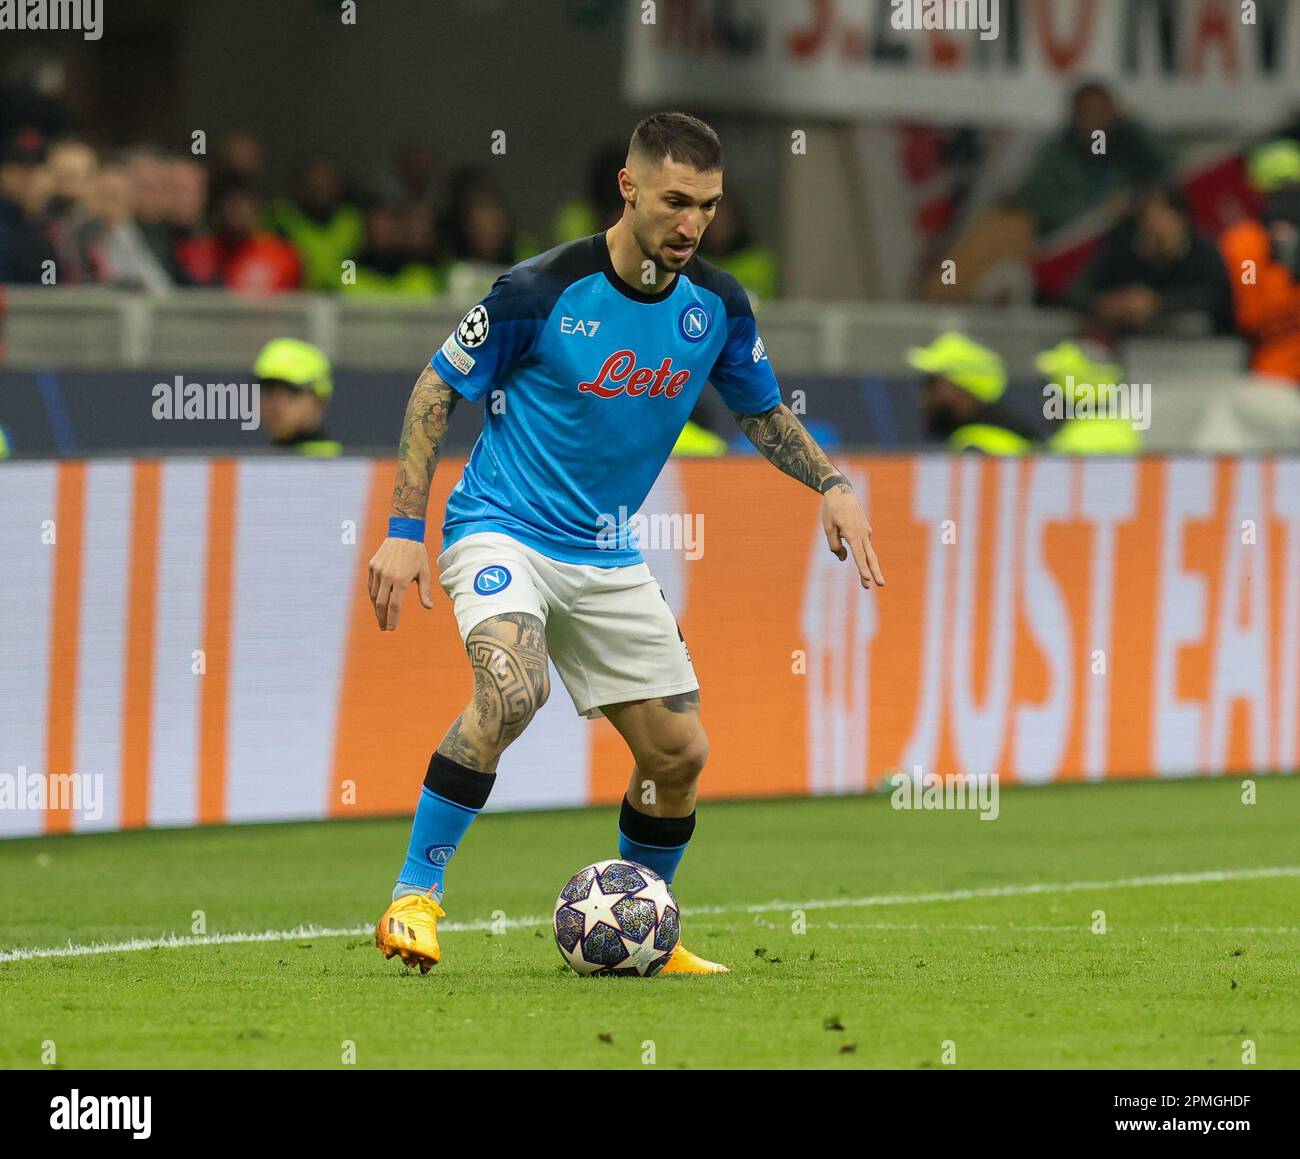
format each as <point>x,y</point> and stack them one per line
<point>673,206</point>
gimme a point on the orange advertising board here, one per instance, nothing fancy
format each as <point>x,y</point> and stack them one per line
<point>196,636</point>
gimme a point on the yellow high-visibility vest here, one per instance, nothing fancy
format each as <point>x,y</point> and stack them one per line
<point>319,448</point>
<point>989,439</point>
<point>697,443</point>
<point>1100,436</point>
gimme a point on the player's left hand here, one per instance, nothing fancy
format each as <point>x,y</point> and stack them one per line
<point>847,530</point>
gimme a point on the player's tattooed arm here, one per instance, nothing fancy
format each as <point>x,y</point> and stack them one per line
<point>781,439</point>
<point>400,562</point>
<point>427,414</point>
<point>784,441</point>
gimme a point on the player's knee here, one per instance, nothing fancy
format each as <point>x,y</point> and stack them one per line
<point>678,763</point>
<point>506,699</point>
<point>519,714</point>
<point>496,716</point>
<point>696,755</point>
<point>511,677</point>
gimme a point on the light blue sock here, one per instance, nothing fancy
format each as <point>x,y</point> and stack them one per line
<point>437,829</point>
<point>664,860</point>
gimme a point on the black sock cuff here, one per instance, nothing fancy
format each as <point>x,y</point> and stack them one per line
<point>467,788</point>
<point>663,832</point>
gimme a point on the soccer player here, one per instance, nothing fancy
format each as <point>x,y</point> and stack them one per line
<point>594,354</point>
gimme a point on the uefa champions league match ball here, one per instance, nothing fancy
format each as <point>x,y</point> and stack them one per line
<point>616,917</point>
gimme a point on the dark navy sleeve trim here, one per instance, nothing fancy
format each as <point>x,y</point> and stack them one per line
<point>732,293</point>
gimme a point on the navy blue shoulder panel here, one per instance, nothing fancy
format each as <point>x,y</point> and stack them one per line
<point>720,282</point>
<point>531,289</point>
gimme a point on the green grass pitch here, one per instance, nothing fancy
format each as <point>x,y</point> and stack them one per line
<point>908,944</point>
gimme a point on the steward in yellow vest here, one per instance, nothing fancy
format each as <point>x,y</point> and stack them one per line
<point>295,388</point>
<point>1084,386</point>
<point>961,396</point>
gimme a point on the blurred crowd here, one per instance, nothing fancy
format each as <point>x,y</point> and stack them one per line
<point>1104,222</point>
<point>149,220</point>
<point>1097,220</point>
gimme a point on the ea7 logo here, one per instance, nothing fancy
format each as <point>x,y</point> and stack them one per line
<point>78,1112</point>
<point>578,326</point>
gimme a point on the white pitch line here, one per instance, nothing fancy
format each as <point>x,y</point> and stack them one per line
<point>1197,878</point>
<point>177,942</point>
<point>173,941</point>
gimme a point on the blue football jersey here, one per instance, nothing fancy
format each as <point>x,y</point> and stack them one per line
<point>587,383</point>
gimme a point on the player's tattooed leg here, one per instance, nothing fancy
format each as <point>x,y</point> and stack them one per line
<point>682,702</point>
<point>511,682</point>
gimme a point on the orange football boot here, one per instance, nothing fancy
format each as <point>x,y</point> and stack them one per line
<point>409,929</point>
<point>682,961</point>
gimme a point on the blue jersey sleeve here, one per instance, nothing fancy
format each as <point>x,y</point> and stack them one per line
<point>497,333</point>
<point>742,375</point>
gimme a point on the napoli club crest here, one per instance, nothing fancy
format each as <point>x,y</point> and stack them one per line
<point>491,580</point>
<point>693,323</point>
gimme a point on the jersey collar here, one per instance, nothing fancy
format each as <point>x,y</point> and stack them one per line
<point>611,276</point>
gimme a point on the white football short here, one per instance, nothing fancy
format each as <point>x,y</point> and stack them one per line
<point>609,630</point>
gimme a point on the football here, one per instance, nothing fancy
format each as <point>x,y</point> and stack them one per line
<point>616,917</point>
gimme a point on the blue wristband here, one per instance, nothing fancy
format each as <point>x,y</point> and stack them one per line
<point>406,529</point>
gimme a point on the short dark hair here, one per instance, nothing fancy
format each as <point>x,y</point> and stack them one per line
<point>684,138</point>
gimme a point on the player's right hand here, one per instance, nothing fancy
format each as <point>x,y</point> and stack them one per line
<point>392,568</point>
